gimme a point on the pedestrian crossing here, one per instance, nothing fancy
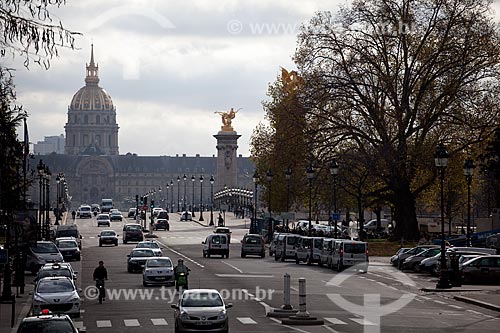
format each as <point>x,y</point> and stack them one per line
<point>144,322</point>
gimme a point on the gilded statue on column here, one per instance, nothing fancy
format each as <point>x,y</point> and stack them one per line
<point>227,118</point>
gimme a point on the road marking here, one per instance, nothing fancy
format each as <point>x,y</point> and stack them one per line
<point>336,321</point>
<point>392,287</point>
<point>79,326</point>
<point>372,280</point>
<point>475,312</point>
<point>244,275</point>
<point>293,288</point>
<point>288,326</point>
<point>246,320</point>
<point>103,323</point>
<point>455,306</point>
<point>91,237</point>
<point>329,329</point>
<point>381,283</point>
<point>232,266</point>
<point>439,302</point>
<point>425,297</point>
<point>159,322</point>
<point>363,322</point>
<point>131,322</point>
<point>182,255</point>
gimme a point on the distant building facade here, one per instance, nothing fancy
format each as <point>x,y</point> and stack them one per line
<point>50,144</point>
<point>94,170</point>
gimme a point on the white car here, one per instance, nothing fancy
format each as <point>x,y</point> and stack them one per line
<point>199,309</point>
<point>103,219</point>
<point>58,295</point>
<point>158,270</point>
<point>152,245</point>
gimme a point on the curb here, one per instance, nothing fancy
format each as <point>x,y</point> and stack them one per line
<point>451,290</point>
<point>478,303</point>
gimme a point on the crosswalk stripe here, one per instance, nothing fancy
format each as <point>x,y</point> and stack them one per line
<point>79,325</point>
<point>439,302</point>
<point>103,323</point>
<point>362,321</point>
<point>246,320</point>
<point>159,321</point>
<point>131,322</point>
<point>336,321</point>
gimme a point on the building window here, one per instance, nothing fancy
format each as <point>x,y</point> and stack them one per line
<point>109,141</point>
<point>74,140</point>
<point>97,119</point>
<point>86,119</point>
<point>85,139</point>
<point>98,140</point>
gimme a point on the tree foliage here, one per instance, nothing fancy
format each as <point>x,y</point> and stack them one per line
<point>27,29</point>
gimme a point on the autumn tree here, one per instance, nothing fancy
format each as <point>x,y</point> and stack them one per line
<point>392,79</point>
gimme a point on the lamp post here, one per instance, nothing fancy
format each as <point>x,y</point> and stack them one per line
<point>288,176</point>
<point>269,178</point>
<point>171,195</point>
<point>48,176</point>
<point>58,182</point>
<point>212,199</point>
<point>184,207</point>
<point>334,170</point>
<point>178,192</point>
<point>192,201</point>
<point>441,161</point>
<point>166,205</point>
<point>201,198</point>
<point>468,173</point>
<point>310,176</point>
<point>255,179</point>
<point>161,197</point>
<point>41,171</point>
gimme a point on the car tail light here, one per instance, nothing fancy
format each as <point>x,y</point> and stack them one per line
<point>367,252</point>
<point>341,252</point>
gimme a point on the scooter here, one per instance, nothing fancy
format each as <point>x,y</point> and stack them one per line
<point>99,283</point>
<point>181,281</point>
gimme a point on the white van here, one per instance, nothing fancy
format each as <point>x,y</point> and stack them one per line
<point>217,244</point>
<point>325,256</point>
<point>285,247</point>
<point>350,253</point>
<point>85,211</point>
<point>308,249</point>
<point>371,225</point>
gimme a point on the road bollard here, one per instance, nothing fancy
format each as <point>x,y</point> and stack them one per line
<point>302,317</point>
<point>286,293</point>
<point>302,299</point>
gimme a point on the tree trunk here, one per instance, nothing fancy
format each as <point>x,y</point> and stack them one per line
<point>405,215</point>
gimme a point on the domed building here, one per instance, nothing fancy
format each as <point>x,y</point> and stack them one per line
<point>91,128</point>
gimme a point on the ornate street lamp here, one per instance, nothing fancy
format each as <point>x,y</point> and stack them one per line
<point>41,175</point>
<point>269,178</point>
<point>178,193</point>
<point>171,196</point>
<point>468,173</point>
<point>255,179</point>
<point>192,201</point>
<point>48,176</point>
<point>161,197</point>
<point>310,176</point>
<point>441,161</point>
<point>184,202</point>
<point>334,170</point>
<point>212,199</point>
<point>288,176</point>
<point>201,198</point>
<point>58,182</point>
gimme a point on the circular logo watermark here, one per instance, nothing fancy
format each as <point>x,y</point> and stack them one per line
<point>372,309</point>
<point>91,293</point>
<point>234,27</point>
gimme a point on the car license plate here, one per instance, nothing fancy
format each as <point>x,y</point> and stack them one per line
<point>204,323</point>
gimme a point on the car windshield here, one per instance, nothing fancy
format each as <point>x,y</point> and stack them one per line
<point>159,263</point>
<point>222,231</point>
<point>354,248</point>
<point>201,300</point>
<point>108,233</point>
<point>148,245</point>
<point>142,253</point>
<point>66,244</point>
<point>46,326</point>
<point>54,272</point>
<point>67,233</point>
<point>44,248</point>
<point>54,286</point>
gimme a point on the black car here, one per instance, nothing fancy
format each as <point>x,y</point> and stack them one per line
<point>108,237</point>
<point>47,322</point>
<point>161,224</point>
<point>137,259</point>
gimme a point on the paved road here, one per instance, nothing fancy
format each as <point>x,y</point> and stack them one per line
<point>253,285</point>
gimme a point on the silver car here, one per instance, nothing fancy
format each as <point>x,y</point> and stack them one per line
<point>158,270</point>
<point>201,309</point>
<point>152,245</point>
<point>58,295</point>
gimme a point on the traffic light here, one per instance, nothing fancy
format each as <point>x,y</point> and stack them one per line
<point>145,200</point>
<point>142,200</point>
<point>136,198</point>
<point>152,203</point>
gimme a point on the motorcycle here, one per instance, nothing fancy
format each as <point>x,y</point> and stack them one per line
<point>181,280</point>
<point>95,213</point>
<point>99,283</point>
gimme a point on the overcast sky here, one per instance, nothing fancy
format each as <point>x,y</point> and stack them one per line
<point>169,66</point>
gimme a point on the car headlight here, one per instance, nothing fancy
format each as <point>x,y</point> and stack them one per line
<point>184,316</point>
<point>38,299</point>
<point>407,260</point>
<point>222,315</point>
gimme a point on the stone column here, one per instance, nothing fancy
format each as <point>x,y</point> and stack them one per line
<point>227,168</point>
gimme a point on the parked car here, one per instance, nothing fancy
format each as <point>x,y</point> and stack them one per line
<point>253,244</point>
<point>161,224</point>
<point>285,246</point>
<point>44,252</point>
<point>432,264</point>
<point>103,220</point>
<point>483,269</point>
<point>115,216</point>
<point>158,270</point>
<point>69,230</point>
<point>224,230</point>
<point>150,244</point>
<point>394,258</point>
<point>325,256</point>
<point>201,309</point>
<point>137,259</point>
<point>56,269</point>
<point>416,250</point>
<point>131,212</point>
<point>350,253</point>
<point>47,322</point>
<point>217,244</point>
<point>68,247</point>
<point>493,241</point>
<point>108,237</point>
<point>58,295</point>
<point>132,232</point>
<point>413,262</point>
<point>308,249</point>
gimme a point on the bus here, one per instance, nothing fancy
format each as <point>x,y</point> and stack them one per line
<point>106,205</point>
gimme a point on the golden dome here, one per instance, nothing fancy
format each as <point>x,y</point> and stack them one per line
<point>91,97</point>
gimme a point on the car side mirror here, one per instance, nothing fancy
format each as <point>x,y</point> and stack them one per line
<point>98,235</point>
<point>174,306</point>
<point>117,235</point>
<point>229,305</point>
<point>80,290</point>
<point>81,237</point>
<point>128,255</point>
<point>203,242</point>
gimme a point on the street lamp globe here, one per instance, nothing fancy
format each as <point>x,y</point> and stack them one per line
<point>334,168</point>
<point>441,157</point>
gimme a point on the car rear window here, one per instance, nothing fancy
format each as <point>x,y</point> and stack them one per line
<point>46,326</point>
<point>67,244</point>
<point>354,248</point>
<point>133,228</point>
<point>291,240</point>
<point>45,248</point>
<point>54,272</point>
<point>67,233</point>
<point>108,233</point>
<point>252,240</point>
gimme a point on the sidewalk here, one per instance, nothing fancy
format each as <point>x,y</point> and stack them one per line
<point>486,299</point>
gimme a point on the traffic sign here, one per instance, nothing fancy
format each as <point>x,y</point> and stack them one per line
<point>4,256</point>
<point>336,216</point>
